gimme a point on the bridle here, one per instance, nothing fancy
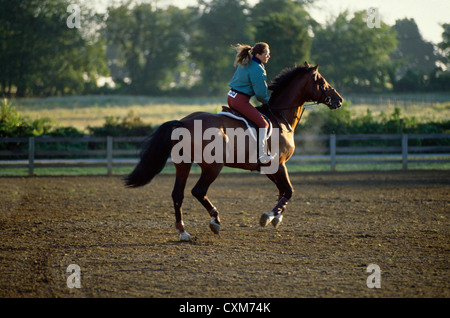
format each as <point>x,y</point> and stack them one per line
<point>322,91</point>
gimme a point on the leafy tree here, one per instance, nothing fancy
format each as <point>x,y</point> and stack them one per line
<point>40,55</point>
<point>440,78</point>
<point>288,39</point>
<point>352,55</point>
<point>415,59</point>
<point>412,50</point>
<point>220,24</point>
<point>284,25</point>
<point>444,46</point>
<point>265,7</point>
<point>145,43</point>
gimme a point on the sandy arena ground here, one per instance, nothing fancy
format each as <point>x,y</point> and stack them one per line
<point>125,243</point>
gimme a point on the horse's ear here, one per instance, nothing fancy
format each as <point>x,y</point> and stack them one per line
<point>306,64</point>
<point>315,68</point>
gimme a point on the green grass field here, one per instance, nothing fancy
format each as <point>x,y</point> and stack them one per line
<point>84,111</point>
<point>169,169</point>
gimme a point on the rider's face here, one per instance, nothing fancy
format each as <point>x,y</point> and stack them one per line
<point>265,56</point>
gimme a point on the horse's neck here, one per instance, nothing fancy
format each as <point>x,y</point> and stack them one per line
<point>291,104</point>
<point>293,115</point>
<point>297,115</point>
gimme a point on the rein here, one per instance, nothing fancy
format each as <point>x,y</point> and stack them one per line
<point>278,109</point>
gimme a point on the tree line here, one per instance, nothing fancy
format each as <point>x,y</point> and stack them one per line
<point>150,50</point>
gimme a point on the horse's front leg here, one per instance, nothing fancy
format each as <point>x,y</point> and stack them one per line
<point>281,180</point>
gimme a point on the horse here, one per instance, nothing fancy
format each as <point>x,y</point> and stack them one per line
<point>291,89</point>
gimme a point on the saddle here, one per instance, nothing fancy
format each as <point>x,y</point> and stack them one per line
<point>253,128</point>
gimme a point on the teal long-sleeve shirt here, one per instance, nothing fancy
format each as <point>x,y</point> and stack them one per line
<point>251,80</point>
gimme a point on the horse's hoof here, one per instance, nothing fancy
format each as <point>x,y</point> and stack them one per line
<point>185,236</point>
<point>214,226</point>
<point>277,220</point>
<point>266,218</point>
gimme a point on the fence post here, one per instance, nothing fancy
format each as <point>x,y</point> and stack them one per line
<point>109,153</point>
<point>333,152</point>
<point>404,151</point>
<point>31,150</point>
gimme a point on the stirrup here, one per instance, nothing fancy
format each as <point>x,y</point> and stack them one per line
<point>266,158</point>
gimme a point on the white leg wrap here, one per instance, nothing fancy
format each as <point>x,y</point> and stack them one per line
<point>214,226</point>
<point>277,220</point>
<point>266,218</point>
<point>185,236</point>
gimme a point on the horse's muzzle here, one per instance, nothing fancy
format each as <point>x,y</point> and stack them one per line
<point>335,103</point>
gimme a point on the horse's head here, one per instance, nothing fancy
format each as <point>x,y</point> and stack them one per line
<point>322,91</point>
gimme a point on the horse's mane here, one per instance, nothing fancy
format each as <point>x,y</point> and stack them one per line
<point>285,77</point>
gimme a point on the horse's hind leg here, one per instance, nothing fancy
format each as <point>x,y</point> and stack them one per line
<point>182,173</point>
<point>208,175</point>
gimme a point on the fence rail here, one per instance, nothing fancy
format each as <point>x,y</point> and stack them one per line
<point>325,149</point>
<point>401,153</point>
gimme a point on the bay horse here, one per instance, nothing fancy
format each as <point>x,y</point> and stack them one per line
<point>290,90</point>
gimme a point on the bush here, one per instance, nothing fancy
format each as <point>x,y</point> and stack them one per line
<point>130,125</point>
<point>12,124</point>
<point>340,122</point>
<point>326,122</point>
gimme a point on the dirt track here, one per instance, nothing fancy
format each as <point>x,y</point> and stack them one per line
<point>126,245</point>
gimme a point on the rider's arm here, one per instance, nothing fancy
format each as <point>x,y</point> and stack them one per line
<point>258,79</point>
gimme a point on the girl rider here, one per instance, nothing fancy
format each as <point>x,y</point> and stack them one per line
<point>250,80</point>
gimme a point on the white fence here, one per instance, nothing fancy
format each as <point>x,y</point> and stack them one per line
<point>327,149</point>
<point>400,152</point>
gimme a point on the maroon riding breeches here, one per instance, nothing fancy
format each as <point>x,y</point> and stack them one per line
<point>241,103</point>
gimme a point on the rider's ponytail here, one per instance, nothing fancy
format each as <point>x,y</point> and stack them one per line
<point>245,52</point>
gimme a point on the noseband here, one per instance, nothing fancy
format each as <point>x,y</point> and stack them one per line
<point>322,90</point>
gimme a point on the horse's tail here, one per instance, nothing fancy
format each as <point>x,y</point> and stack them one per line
<point>155,152</point>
